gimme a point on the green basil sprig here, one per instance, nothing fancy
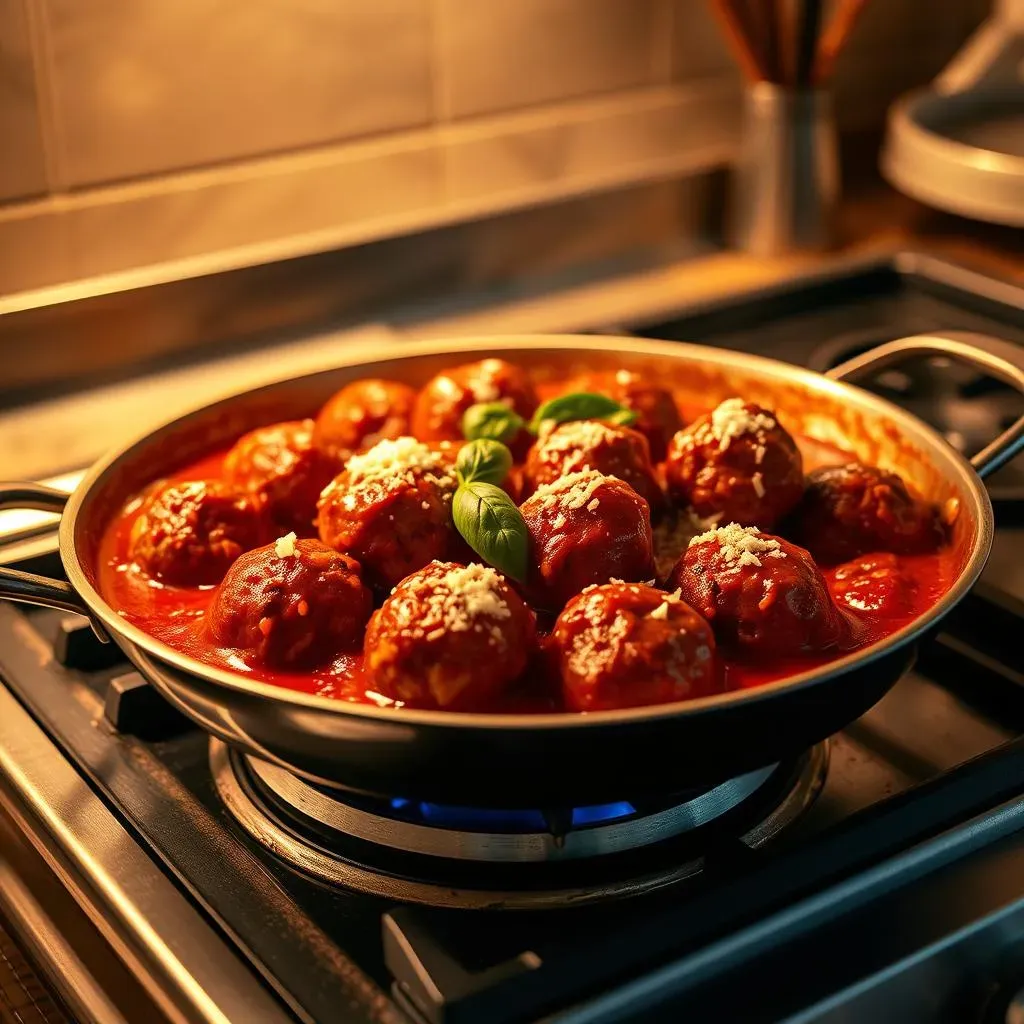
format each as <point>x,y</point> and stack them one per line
<point>483,460</point>
<point>484,514</point>
<point>581,405</point>
<point>492,420</point>
<point>492,526</point>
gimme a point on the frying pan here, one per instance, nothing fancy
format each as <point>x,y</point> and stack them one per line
<point>552,759</point>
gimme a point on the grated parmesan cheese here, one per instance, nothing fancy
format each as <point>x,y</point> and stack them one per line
<point>570,445</point>
<point>284,546</point>
<point>758,483</point>
<point>741,545</point>
<point>451,599</point>
<point>661,612</point>
<point>389,465</point>
<point>732,419</point>
<point>395,458</point>
<point>572,492</point>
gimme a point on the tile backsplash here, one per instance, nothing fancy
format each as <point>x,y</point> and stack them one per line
<point>137,132</point>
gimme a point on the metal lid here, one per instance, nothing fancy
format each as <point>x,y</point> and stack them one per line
<point>961,152</point>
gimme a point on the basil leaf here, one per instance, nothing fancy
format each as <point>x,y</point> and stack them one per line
<point>493,420</point>
<point>581,405</point>
<point>484,460</point>
<point>492,526</point>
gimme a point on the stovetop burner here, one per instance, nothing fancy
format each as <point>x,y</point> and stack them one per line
<point>459,856</point>
<point>272,898</point>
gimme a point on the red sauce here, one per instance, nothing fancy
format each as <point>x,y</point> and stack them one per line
<point>175,615</point>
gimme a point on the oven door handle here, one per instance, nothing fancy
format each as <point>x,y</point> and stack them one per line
<point>30,587</point>
<point>1000,359</point>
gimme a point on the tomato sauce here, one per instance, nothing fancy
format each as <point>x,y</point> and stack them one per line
<point>175,615</point>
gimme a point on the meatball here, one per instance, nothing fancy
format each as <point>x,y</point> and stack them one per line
<point>391,510</point>
<point>284,468</point>
<point>658,416</point>
<point>449,636</point>
<point>582,445</point>
<point>437,413</point>
<point>363,413</point>
<point>763,596</point>
<point>585,528</point>
<point>875,584</point>
<point>854,509</point>
<point>625,645</point>
<point>293,604</point>
<point>188,534</point>
<point>738,463</point>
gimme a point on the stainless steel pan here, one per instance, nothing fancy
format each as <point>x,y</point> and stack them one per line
<point>552,759</point>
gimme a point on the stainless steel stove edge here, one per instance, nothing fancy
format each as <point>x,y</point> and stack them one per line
<point>187,968</point>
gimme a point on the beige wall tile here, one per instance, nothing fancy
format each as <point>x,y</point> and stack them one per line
<point>137,226</point>
<point>499,56</point>
<point>22,171</point>
<point>143,86</point>
<point>34,249</point>
<point>608,139</point>
<point>699,47</point>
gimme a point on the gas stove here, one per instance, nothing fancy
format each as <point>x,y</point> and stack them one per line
<point>880,874</point>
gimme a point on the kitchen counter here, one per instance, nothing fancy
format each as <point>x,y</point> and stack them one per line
<point>873,218</point>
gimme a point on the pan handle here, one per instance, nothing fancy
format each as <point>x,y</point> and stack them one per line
<point>1000,359</point>
<point>29,587</point>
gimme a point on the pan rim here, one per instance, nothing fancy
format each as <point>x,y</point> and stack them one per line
<point>485,346</point>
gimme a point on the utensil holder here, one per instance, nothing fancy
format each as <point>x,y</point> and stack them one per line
<point>786,182</point>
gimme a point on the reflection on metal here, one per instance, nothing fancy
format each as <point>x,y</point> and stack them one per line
<point>186,967</point>
<point>511,845</point>
<point>230,769</point>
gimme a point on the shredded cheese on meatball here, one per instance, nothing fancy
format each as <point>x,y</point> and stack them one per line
<point>391,463</point>
<point>569,444</point>
<point>572,492</point>
<point>732,419</point>
<point>741,545</point>
<point>285,546</point>
<point>431,604</point>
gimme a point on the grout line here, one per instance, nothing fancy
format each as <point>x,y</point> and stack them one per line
<point>43,67</point>
<point>634,101</point>
<point>693,161</point>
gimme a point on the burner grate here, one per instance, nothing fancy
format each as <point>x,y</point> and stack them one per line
<point>372,847</point>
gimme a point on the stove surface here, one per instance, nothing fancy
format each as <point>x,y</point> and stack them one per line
<point>919,793</point>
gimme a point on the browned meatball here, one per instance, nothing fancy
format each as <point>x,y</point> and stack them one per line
<point>875,584</point>
<point>284,468</point>
<point>582,445</point>
<point>391,510</point>
<point>188,534</point>
<point>585,528</point>
<point>449,636</point>
<point>853,509</point>
<point>738,463</point>
<point>658,416</point>
<point>626,645</point>
<point>293,604</point>
<point>764,597</point>
<point>363,413</point>
<point>437,414</point>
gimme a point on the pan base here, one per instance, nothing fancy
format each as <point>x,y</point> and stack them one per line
<point>526,860</point>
